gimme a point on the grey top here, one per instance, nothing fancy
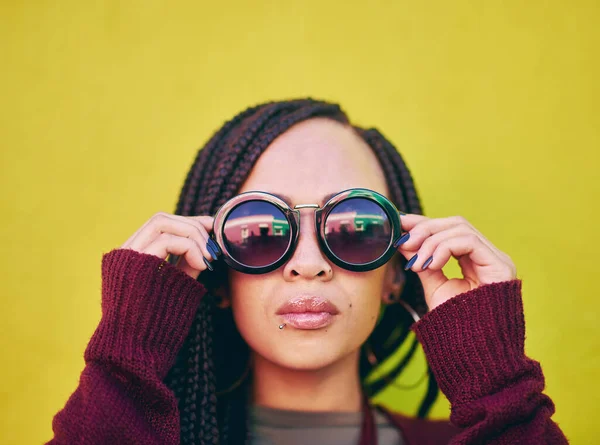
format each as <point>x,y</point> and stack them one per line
<point>271,426</point>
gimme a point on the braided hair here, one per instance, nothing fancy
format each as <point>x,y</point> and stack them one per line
<point>198,375</point>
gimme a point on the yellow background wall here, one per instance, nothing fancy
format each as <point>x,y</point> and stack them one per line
<point>494,105</point>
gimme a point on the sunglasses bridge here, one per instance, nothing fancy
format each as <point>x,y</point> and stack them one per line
<point>306,206</point>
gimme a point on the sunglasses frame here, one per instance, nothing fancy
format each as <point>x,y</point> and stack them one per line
<point>293,217</point>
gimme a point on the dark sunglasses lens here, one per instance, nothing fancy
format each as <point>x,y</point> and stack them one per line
<point>358,230</point>
<point>256,233</point>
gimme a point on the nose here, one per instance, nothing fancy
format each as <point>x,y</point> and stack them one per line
<point>307,262</point>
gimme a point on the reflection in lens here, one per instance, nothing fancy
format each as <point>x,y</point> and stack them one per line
<point>358,230</point>
<point>256,233</point>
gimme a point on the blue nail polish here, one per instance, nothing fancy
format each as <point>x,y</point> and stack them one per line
<point>402,213</point>
<point>402,240</point>
<point>215,246</point>
<point>211,250</point>
<point>208,265</point>
<point>412,261</point>
<point>427,263</point>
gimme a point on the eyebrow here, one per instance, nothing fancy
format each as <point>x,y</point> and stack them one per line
<point>288,200</point>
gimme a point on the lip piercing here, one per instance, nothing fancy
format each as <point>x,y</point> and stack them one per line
<point>281,326</point>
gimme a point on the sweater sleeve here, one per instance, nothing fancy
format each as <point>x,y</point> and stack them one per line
<point>148,306</point>
<point>475,346</point>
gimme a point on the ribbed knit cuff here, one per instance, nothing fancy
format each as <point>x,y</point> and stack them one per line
<point>474,342</point>
<point>148,306</point>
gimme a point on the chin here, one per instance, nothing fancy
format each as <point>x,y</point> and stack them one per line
<point>305,356</point>
<point>304,363</point>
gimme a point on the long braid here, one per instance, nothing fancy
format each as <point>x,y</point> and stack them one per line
<point>376,141</point>
<point>216,175</point>
<point>208,405</point>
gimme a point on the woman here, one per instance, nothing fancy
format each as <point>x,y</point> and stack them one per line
<point>262,325</point>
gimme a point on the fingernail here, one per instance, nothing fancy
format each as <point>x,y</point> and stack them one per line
<point>215,246</point>
<point>411,262</point>
<point>427,263</point>
<point>208,265</point>
<point>402,213</point>
<point>211,250</point>
<point>402,239</point>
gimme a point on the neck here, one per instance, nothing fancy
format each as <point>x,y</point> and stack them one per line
<point>333,388</point>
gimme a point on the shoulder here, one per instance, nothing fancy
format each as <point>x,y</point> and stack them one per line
<point>421,431</point>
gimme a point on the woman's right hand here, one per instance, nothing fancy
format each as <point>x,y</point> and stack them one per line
<point>186,236</point>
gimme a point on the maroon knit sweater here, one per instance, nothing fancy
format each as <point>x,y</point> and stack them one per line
<point>474,344</point>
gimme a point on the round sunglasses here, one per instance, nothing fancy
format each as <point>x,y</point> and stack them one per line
<point>258,231</point>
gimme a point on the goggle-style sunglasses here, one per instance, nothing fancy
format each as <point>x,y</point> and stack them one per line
<point>258,231</point>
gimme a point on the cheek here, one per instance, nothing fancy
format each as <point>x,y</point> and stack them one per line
<point>247,293</point>
<point>366,304</point>
<point>250,304</point>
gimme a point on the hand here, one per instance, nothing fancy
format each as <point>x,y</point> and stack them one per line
<point>165,234</point>
<point>479,260</point>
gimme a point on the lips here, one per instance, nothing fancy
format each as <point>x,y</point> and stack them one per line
<point>308,312</point>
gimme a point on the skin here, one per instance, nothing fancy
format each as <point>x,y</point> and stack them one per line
<point>317,370</point>
<point>306,369</point>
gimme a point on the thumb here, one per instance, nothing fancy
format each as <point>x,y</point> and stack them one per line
<point>431,281</point>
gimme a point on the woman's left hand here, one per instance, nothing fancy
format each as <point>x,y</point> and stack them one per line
<point>480,261</point>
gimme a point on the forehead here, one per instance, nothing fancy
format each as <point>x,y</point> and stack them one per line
<point>316,158</point>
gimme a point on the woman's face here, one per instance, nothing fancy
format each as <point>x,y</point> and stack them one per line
<point>313,159</point>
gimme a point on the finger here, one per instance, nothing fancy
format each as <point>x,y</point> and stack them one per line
<point>162,223</point>
<point>127,244</point>
<point>457,246</point>
<point>409,220</point>
<point>185,267</point>
<point>421,228</point>
<point>188,248</point>
<point>427,248</point>
<point>205,222</point>
<point>205,225</point>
